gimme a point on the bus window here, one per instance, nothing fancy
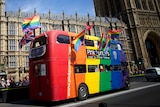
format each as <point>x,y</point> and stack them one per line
<point>116,67</point>
<point>80,68</point>
<point>113,46</point>
<point>63,39</point>
<point>37,52</point>
<point>40,70</point>
<point>89,42</point>
<point>92,68</point>
<point>108,67</point>
<point>124,64</point>
<point>39,41</point>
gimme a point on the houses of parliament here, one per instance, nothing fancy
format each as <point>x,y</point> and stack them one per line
<point>138,19</point>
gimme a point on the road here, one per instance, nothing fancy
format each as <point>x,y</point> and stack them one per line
<point>145,97</point>
<point>141,94</point>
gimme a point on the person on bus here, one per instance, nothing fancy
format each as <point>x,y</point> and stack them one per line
<point>101,68</point>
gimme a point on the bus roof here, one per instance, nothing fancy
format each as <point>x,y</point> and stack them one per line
<point>88,37</point>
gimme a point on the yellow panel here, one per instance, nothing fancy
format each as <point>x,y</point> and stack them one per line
<point>95,39</point>
<point>92,81</point>
<point>89,37</point>
<point>92,61</point>
<point>92,48</point>
<point>92,78</point>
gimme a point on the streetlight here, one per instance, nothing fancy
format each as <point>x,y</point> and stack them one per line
<point>20,71</point>
<point>4,61</point>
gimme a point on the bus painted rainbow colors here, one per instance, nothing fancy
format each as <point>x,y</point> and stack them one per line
<point>58,72</point>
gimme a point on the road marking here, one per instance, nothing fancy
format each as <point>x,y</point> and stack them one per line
<point>79,103</point>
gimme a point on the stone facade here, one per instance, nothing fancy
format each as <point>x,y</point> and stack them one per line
<point>16,63</point>
<point>143,21</point>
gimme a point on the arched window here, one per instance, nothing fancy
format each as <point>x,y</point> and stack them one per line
<point>144,4</point>
<point>138,5</point>
<point>150,4</point>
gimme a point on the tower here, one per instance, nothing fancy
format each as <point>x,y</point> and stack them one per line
<point>2,7</point>
<point>143,21</point>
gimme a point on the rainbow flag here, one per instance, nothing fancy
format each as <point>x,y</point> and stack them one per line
<point>79,40</point>
<point>31,23</point>
<point>101,42</point>
<point>114,33</point>
<point>106,48</point>
<point>108,39</point>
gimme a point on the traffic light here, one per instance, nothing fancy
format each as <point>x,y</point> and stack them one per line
<point>140,61</point>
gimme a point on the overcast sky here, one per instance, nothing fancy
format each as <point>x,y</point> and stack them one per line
<point>82,7</point>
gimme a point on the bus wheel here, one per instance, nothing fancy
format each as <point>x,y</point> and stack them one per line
<point>82,92</point>
<point>127,83</point>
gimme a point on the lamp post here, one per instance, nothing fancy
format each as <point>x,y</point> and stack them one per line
<point>20,71</point>
<point>4,61</point>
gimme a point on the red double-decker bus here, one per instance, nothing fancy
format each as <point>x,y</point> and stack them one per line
<point>58,72</point>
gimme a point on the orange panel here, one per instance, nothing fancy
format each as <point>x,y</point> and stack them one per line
<point>80,78</point>
<point>81,55</point>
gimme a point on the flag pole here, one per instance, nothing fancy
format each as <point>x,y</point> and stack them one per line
<point>110,15</point>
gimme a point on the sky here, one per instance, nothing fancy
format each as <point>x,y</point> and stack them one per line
<point>82,7</point>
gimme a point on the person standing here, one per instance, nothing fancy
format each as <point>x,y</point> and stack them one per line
<point>3,83</point>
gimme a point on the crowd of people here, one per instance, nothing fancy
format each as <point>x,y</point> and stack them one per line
<point>10,82</point>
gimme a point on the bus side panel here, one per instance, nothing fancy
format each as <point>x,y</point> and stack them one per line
<point>58,78</point>
<point>80,78</point>
<point>105,76</point>
<point>80,56</point>
<point>71,79</point>
<point>116,80</point>
<point>115,57</point>
<point>105,81</point>
<point>92,79</point>
<point>59,68</point>
<point>124,73</point>
<point>116,75</point>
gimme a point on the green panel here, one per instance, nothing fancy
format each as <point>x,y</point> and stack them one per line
<point>105,77</point>
<point>105,61</point>
<point>105,81</point>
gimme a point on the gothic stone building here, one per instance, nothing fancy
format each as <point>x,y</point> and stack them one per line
<point>16,63</point>
<point>143,21</point>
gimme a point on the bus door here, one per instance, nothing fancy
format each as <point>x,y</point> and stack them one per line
<point>39,82</point>
<point>116,69</point>
<point>39,85</point>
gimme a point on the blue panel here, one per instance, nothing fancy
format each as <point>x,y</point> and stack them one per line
<point>116,79</point>
<point>115,57</point>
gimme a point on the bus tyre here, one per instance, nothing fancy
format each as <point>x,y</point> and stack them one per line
<point>127,83</point>
<point>82,92</point>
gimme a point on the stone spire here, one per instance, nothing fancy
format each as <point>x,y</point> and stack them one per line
<point>2,7</point>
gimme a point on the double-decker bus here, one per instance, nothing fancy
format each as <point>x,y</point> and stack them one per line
<point>58,72</point>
